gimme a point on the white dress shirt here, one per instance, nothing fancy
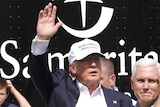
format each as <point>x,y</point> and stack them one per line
<point>96,99</point>
<point>39,47</point>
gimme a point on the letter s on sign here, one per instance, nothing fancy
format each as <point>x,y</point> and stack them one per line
<point>9,59</point>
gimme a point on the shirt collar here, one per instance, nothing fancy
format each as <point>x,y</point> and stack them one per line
<point>137,105</point>
<point>82,87</point>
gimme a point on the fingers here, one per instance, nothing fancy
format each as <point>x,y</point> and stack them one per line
<point>54,10</point>
<point>48,11</point>
<point>40,14</point>
<point>9,82</point>
<point>58,25</point>
<point>47,23</point>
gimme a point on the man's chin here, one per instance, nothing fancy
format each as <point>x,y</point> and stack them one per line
<point>146,99</point>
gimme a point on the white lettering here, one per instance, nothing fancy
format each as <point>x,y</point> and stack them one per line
<point>133,54</point>
<point>152,54</point>
<point>25,70</point>
<point>9,59</point>
<point>59,61</point>
<point>122,64</point>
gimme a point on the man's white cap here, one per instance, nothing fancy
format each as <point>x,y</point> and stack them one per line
<point>82,49</point>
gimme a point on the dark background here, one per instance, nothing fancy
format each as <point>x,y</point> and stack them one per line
<point>137,22</point>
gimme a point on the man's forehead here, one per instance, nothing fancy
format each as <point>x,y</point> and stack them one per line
<point>3,90</point>
<point>147,77</point>
<point>146,69</point>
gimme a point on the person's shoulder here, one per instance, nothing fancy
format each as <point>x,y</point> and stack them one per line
<point>60,75</point>
<point>12,105</point>
<point>9,105</point>
<point>124,100</point>
<point>115,93</point>
<point>60,72</point>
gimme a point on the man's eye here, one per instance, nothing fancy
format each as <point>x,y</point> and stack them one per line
<point>140,80</point>
<point>1,94</point>
<point>151,81</point>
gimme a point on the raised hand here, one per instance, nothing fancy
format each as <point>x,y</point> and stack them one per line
<point>46,25</point>
<point>12,88</point>
<point>19,97</point>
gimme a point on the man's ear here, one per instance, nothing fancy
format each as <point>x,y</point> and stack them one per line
<point>112,80</point>
<point>72,69</point>
<point>131,84</point>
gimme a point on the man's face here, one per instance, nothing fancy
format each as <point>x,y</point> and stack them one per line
<point>88,69</point>
<point>105,78</point>
<point>108,80</point>
<point>3,95</point>
<point>145,84</point>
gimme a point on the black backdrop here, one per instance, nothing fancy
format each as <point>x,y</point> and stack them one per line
<point>134,30</point>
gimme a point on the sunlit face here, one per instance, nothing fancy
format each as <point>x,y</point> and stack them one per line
<point>3,95</point>
<point>105,78</point>
<point>145,84</point>
<point>88,69</point>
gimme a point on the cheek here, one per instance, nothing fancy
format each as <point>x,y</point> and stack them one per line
<point>136,86</point>
<point>82,70</point>
<point>155,88</point>
<point>3,97</point>
<point>106,81</point>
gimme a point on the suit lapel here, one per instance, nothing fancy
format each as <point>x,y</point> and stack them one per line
<point>73,92</point>
<point>110,98</point>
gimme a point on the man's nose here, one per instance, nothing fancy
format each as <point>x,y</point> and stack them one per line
<point>145,85</point>
<point>94,62</point>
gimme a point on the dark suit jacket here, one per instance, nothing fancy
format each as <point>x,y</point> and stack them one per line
<point>8,105</point>
<point>59,90</point>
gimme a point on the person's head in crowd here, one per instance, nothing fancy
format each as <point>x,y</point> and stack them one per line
<point>84,61</point>
<point>108,77</point>
<point>145,81</point>
<point>4,90</point>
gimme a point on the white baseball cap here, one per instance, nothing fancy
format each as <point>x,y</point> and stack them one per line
<point>82,49</point>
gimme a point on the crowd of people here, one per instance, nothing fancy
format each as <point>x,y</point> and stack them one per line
<point>94,81</point>
<point>87,88</point>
